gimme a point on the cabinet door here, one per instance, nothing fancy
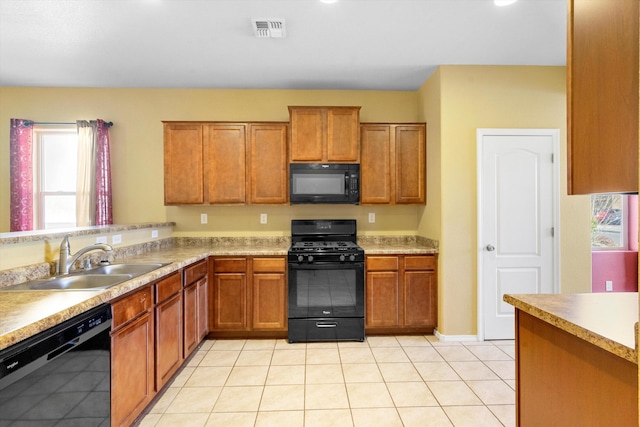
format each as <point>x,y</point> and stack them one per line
<point>190,340</point>
<point>343,134</point>
<point>376,165</point>
<point>307,134</point>
<point>269,301</point>
<point>602,68</point>
<point>202,305</point>
<point>420,300</point>
<point>410,147</point>
<point>168,322</point>
<point>269,166</point>
<point>383,297</point>
<point>183,164</point>
<point>225,163</point>
<point>131,370</point>
<point>230,301</point>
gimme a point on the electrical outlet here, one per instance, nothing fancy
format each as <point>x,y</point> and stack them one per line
<point>203,218</point>
<point>372,217</point>
<point>608,285</point>
<point>101,239</point>
<point>263,218</point>
<point>154,234</point>
<point>116,239</point>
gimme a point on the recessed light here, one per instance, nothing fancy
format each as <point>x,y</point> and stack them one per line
<point>504,2</point>
<point>328,1</point>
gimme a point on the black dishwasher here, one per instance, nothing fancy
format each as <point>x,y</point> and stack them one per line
<point>61,376</point>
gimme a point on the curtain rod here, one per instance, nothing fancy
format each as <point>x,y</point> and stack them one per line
<point>108,124</point>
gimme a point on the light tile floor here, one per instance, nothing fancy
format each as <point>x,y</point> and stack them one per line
<point>383,382</point>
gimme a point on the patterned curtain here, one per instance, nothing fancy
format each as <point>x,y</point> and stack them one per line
<point>93,202</point>
<point>104,207</point>
<point>21,171</point>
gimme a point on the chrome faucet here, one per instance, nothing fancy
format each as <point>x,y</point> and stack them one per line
<point>67,260</point>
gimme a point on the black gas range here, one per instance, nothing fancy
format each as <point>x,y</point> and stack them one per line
<point>310,252</point>
<point>326,281</point>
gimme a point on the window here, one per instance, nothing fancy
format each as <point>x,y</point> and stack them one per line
<point>55,167</point>
<point>609,222</point>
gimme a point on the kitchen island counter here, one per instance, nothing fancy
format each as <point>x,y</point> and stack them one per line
<point>576,359</point>
<point>605,320</point>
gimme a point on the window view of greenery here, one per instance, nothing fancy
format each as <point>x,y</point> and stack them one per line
<point>609,221</point>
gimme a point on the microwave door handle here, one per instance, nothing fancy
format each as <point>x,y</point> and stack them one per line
<point>346,183</point>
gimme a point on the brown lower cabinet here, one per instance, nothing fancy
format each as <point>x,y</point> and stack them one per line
<point>248,295</point>
<point>132,356</point>
<point>149,336</point>
<point>168,328</point>
<point>196,325</point>
<point>401,293</point>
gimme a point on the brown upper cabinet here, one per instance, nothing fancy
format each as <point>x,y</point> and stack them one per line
<point>393,164</point>
<point>602,89</point>
<point>225,163</point>
<point>183,164</point>
<point>325,134</point>
<point>225,166</point>
<point>269,171</point>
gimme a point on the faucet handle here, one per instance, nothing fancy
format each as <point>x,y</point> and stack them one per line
<point>65,242</point>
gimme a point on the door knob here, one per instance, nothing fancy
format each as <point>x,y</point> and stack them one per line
<point>491,248</point>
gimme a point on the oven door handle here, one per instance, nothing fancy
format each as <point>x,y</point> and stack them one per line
<point>326,324</point>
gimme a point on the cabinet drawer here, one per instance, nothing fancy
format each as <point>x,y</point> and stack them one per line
<point>167,287</point>
<point>382,263</point>
<point>131,306</point>
<point>264,265</point>
<point>230,265</point>
<point>195,272</point>
<point>420,262</point>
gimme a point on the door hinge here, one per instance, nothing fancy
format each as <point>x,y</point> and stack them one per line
<point>552,158</point>
<point>553,232</point>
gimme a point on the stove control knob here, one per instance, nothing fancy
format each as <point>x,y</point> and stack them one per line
<point>342,257</point>
<point>300,258</point>
<point>352,257</point>
<point>310,258</point>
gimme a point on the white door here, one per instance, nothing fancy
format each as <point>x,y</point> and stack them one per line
<point>517,221</point>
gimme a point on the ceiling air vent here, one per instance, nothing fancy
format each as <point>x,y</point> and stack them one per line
<point>268,28</point>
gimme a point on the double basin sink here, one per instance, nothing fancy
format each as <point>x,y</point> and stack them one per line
<point>102,277</point>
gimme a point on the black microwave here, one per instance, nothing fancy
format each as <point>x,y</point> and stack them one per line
<point>324,183</point>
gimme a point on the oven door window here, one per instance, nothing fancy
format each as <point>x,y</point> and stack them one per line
<point>325,291</point>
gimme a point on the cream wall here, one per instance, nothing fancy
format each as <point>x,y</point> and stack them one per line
<point>460,99</point>
<point>137,158</point>
<point>454,101</point>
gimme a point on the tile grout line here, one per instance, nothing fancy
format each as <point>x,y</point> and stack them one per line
<point>341,361</point>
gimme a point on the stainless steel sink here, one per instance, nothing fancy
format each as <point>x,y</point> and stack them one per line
<point>133,269</point>
<point>102,277</point>
<point>71,282</point>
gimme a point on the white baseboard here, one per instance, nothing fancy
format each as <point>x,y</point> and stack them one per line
<point>455,338</point>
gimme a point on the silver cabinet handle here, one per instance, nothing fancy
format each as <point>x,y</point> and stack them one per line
<point>491,248</point>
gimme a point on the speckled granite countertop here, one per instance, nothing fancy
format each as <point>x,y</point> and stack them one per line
<point>606,320</point>
<point>24,314</point>
<point>407,245</point>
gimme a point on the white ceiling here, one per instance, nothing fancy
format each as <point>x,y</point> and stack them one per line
<point>351,44</point>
